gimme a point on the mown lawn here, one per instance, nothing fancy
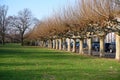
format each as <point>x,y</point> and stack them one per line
<point>34,63</point>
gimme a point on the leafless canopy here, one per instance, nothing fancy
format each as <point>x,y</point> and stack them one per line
<point>86,16</point>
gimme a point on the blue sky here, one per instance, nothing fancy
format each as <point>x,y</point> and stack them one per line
<point>39,8</point>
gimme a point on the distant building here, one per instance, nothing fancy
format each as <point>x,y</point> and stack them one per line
<point>110,38</point>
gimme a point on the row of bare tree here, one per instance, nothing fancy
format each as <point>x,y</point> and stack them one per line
<point>84,19</point>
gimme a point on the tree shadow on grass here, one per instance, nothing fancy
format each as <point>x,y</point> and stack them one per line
<point>35,64</point>
<point>58,74</point>
<point>33,54</point>
<point>43,64</point>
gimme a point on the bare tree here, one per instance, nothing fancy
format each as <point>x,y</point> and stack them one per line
<point>22,22</point>
<point>3,22</point>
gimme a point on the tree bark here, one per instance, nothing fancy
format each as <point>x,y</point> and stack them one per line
<point>102,54</point>
<point>117,57</point>
<point>89,46</point>
<point>60,44</point>
<point>74,45</point>
<point>49,43</point>
<point>81,46</point>
<point>53,44</point>
<point>44,44</point>
<point>56,43</point>
<point>64,47</point>
<point>68,45</point>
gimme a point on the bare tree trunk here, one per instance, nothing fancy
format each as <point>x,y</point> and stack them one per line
<point>89,46</point>
<point>81,46</point>
<point>117,57</point>
<point>42,44</point>
<point>102,54</point>
<point>74,45</point>
<point>60,44</point>
<point>64,47</point>
<point>49,43</point>
<point>53,44</point>
<point>56,43</point>
<point>68,45</point>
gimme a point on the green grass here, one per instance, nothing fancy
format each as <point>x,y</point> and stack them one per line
<point>34,63</point>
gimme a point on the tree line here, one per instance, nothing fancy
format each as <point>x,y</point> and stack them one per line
<point>85,19</point>
<point>13,28</point>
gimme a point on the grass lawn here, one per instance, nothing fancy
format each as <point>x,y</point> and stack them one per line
<point>34,63</point>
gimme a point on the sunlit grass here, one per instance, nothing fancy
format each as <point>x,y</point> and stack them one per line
<point>34,63</point>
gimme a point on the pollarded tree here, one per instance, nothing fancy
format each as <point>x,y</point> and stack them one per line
<point>100,13</point>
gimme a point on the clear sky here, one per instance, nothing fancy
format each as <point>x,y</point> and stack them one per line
<point>39,8</point>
